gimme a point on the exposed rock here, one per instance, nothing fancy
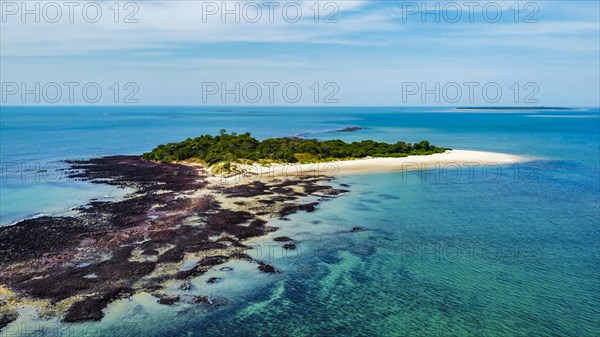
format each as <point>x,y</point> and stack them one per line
<point>242,256</point>
<point>38,237</point>
<point>172,255</point>
<point>213,261</point>
<point>258,223</point>
<point>168,300</point>
<point>202,300</point>
<point>190,273</point>
<point>282,239</point>
<point>293,208</point>
<point>6,317</point>
<point>90,309</point>
<point>150,252</point>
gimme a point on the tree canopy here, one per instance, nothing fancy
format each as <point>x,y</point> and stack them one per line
<point>233,147</point>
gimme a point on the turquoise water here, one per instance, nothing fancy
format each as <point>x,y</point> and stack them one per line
<point>510,253</point>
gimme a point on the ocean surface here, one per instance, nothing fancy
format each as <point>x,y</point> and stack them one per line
<point>509,250</point>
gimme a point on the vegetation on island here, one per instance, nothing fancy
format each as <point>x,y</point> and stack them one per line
<point>232,147</point>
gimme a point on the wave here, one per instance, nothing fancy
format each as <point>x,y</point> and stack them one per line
<point>35,216</point>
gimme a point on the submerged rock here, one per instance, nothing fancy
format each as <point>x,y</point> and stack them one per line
<point>185,285</point>
<point>266,268</point>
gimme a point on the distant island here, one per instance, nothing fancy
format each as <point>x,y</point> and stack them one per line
<point>513,108</point>
<point>226,148</point>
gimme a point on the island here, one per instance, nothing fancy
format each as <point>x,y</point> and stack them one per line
<point>223,151</point>
<point>186,213</point>
<point>524,108</point>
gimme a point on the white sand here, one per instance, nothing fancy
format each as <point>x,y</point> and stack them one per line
<point>448,160</point>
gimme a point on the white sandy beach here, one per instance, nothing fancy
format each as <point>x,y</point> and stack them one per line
<point>448,160</point>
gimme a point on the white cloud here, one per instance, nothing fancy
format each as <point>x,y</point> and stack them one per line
<point>168,24</point>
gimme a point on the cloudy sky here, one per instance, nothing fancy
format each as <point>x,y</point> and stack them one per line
<point>367,53</point>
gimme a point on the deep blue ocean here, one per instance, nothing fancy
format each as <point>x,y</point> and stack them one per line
<point>512,251</point>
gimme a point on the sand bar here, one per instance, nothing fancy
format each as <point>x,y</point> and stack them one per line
<point>456,158</point>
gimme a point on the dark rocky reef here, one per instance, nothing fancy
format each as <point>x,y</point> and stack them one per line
<point>7,317</point>
<point>111,250</point>
<point>202,300</point>
<point>90,309</point>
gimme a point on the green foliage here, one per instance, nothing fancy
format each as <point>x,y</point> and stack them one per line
<point>233,147</point>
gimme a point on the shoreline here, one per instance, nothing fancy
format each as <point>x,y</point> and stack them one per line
<point>448,159</point>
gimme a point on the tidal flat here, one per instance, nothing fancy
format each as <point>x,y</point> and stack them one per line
<point>175,225</point>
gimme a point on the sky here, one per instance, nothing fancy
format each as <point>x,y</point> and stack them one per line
<point>344,53</point>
